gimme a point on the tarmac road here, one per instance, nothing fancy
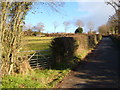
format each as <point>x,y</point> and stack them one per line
<point>100,71</point>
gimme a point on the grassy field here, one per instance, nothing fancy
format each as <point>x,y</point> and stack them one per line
<point>37,78</point>
<point>37,43</point>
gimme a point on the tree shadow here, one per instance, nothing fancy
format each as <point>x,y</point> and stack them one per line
<point>101,70</point>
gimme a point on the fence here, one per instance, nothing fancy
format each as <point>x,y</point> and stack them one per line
<point>38,59</point>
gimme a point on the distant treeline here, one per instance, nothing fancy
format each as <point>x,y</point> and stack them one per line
<point>34,33</point>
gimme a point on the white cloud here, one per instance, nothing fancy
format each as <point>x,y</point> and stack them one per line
<point>97,12</point>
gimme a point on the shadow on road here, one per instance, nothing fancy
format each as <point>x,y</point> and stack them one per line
<point>100,70</point>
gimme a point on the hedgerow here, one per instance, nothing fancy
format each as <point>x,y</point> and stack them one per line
<point>66,49</point>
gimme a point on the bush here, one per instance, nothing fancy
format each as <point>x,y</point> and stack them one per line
<point>82,41</point>
<point>98,37</point>
<point>79,30</point>
<point>63,48</point>
<point>92,41</point>
<point>70,50</point>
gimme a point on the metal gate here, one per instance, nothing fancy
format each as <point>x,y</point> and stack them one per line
<point>38,59</point>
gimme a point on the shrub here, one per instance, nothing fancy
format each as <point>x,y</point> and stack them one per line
<point>92,41</point>
<point>79,30</point>
<point>98,37</point>
<point>82,41</point>
<point>71,50</point>
<point>63,48</point>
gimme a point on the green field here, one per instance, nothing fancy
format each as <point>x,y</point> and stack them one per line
<point>37,43</point>
<point>47,78</point>
<point>38,78</point>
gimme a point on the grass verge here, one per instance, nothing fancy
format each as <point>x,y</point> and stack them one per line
<point>35,79</point>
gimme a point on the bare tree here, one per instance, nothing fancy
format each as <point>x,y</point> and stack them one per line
<point>79,23</point>
<point>113,24</point>
<point>39,27</point>
<point>103,29</point>
<point>11,23</point>
<point>12,15</point>
<point>27,26</point>
<point>90,26</point>
<point>55,26</point>
<point>66,24</point>
<point>116,5</point>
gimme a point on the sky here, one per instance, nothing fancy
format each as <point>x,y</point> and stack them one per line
<point>95,12</point>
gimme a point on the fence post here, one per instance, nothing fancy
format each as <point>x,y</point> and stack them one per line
<point>37,58</point>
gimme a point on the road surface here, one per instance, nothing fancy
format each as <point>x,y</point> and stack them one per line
<point>100,70</point>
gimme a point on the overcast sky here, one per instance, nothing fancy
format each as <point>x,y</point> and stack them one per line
<point>96,12</point>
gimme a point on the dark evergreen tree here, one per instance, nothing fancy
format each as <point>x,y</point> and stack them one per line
<point>79,30</point>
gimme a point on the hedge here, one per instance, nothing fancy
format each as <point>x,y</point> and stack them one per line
<point>65,49</point>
